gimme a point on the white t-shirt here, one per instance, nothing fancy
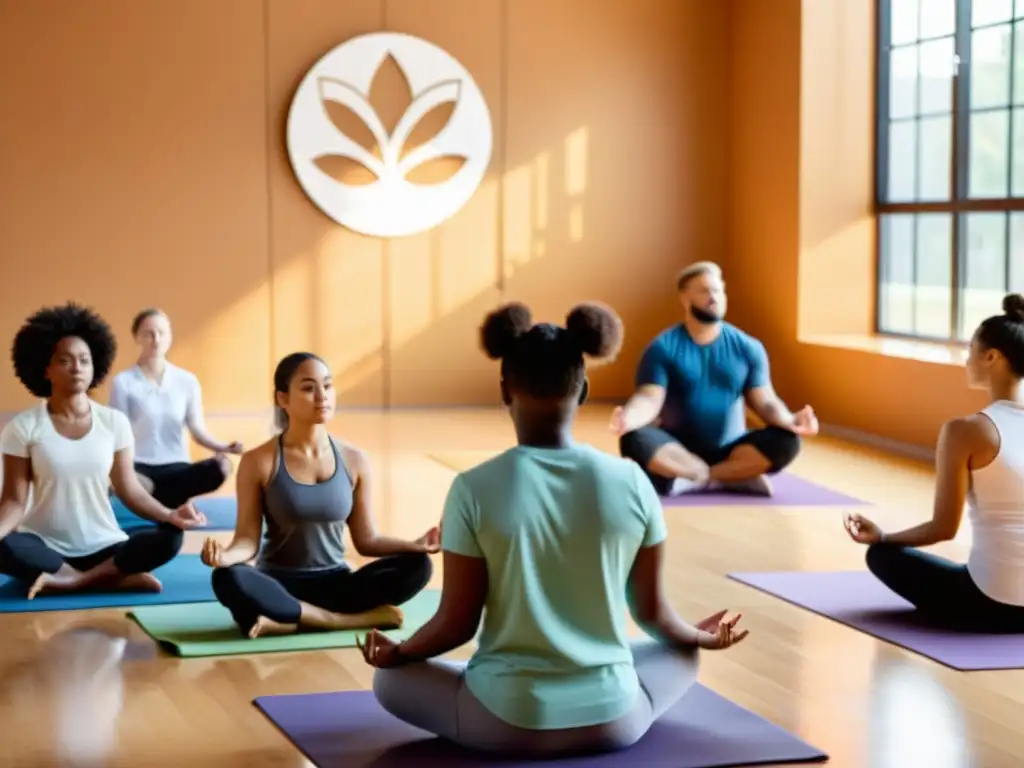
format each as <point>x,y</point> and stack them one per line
<point>70,508</point>
<point>159,412</point>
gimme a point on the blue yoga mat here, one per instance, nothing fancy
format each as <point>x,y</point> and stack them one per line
<point>220,512</point>
<point>185,580</point>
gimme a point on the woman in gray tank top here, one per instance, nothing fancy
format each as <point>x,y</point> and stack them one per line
<point>305,487</point>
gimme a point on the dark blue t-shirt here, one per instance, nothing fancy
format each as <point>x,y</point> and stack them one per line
<point>704,408</point>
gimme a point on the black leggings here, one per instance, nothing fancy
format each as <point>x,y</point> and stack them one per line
<point>779,447</point>
<point>25,556</point>
<point>943,591</point>
<point>175,484</point>
<point>250,593</point>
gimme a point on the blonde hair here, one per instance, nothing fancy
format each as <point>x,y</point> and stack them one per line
<point>697,269</point>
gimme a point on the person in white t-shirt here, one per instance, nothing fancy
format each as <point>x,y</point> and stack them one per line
<point>980,461</point>
<point>161,401</point>
<point>67,451</point>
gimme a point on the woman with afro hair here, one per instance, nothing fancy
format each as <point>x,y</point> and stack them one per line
<point>68,450</point>
<point>554,539</point>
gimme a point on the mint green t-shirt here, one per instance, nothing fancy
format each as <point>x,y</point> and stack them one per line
<point>559,529</point>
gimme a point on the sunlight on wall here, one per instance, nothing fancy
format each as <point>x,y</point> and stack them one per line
<point>520,208</point>
<point>436,272</point>
<point>541,201</point>
<point>329,299</point>
<point>576,163</point>
<point>576,158</point>
<point>232,349</point>
<point>345,289</point>
<point>834,276</point>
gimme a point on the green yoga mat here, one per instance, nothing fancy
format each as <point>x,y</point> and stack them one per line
<point>206,629</point>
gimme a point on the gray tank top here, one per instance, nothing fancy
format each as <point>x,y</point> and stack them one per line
<point>305,524</point>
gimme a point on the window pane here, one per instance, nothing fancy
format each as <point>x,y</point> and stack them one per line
<point>939,19</point>
<point>990,11</point>
<point>990,67</point>
<point>936,142</point>
<point>984,278</point>
<point>1018,153</point>
<point>903,82</point>
<point>903,25</point>
<point>936,76</point>
<point>1018,10</point>
<point>1018,61</point>
<point>902,161</point>
<point>989,154</point>
<point>1016,282</point>
<point>896,273</point>
<point>933,296</point>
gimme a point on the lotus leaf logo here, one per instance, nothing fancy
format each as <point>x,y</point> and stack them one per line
<point>375,178</point>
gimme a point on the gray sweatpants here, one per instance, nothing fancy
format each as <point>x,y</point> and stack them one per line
<point>433,696</point>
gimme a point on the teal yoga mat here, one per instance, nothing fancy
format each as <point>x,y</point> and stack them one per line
<point>185,580</point>
<point>209,630</point>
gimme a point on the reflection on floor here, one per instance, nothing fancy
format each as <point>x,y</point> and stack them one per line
<point>90,689</point>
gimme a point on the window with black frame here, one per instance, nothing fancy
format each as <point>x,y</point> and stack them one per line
<point>950,164</point>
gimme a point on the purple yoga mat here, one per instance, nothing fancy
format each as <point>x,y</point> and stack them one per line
<point>789,491</point>
<point>859,600</point>
<point>703,731</point>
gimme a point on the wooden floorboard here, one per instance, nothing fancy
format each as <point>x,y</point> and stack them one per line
<point>90,689</point>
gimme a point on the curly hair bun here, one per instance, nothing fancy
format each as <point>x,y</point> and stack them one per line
<point>1013,306</point>
<point>502,327</point>
<point>597,329</point>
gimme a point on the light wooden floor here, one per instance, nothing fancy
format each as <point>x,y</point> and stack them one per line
<point>108,697</point>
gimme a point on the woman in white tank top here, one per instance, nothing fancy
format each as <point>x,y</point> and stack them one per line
<point>980,461</point>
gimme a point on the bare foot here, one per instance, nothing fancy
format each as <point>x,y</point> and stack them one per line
<point>139,582</point>
<point>384,617</point>
<point>319,619</point>
<point>269,627</point>
<point>756,486</point>
<point>54,582</point>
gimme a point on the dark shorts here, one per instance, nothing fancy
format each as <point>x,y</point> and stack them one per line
<point>779,446</point>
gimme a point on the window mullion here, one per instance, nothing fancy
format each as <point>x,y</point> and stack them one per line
<point>961,157</point>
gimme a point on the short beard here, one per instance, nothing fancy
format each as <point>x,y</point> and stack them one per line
<point>704,317</point>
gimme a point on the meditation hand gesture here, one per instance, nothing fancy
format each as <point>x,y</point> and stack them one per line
<point>715,634</point>
<point>805,423</point>
<point>430,542</point>
<point>187,516</point>
<point>862,530</point>
<point>379,650</point>
<point>212,553</point>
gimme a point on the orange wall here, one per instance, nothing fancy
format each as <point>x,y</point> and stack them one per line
<point>801,255</point>
<point>143,164</point>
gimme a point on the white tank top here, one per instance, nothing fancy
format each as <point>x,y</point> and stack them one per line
<point>996,508</point>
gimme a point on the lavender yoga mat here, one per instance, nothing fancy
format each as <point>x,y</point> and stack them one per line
<point>790,491</point>
<point>859,600</point>
<point>703,731</point>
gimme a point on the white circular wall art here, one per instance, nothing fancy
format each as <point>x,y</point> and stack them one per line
<point>389,204</point>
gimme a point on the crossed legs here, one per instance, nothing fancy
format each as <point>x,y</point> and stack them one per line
<point>943,591</point>
<point>280,603</point>
<point>174,484</point>
<point>122,566</point>
<point>433,696</point>
<point>741,465</point>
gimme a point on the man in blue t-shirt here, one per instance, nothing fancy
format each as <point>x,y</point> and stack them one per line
<point>693,382</point>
